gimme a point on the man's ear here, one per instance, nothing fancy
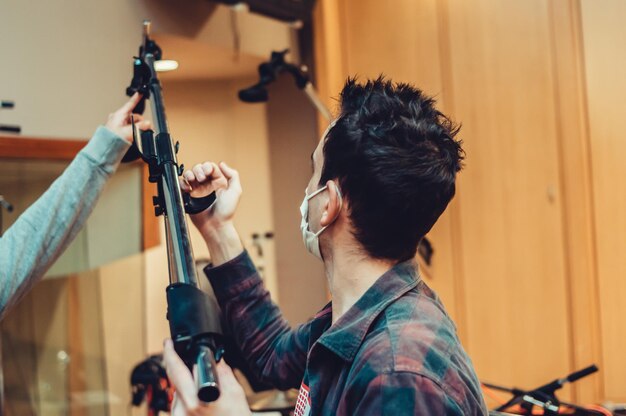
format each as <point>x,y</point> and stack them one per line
<point>333,206</point>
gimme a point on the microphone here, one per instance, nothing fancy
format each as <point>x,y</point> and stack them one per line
<point>5,204</point>
<point>254,94</point>
<point>560,382</point>
<point>581,373</point>
<point>269,72</point>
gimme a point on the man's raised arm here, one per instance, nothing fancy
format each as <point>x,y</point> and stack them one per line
<point>274,351</point>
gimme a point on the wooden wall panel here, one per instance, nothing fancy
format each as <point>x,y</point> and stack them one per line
<point>605,59</point>
<point>408,53</point>
<point>329,54</point>
<point>576,185</point>
<point>530,248</point>
<point>399,40</point>
<point>510,216</point>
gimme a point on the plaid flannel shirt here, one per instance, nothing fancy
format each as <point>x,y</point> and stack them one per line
<point>395,352</point>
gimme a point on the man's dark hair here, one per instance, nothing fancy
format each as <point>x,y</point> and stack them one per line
<point>396,159</point>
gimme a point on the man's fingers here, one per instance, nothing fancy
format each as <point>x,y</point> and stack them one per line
<point>130,104</point>
<point>229,172</point>
<point>199,173</point>
<point>218,175</point>
<point>184,185</point>
<point>205,175</point>
<point>207,168</point>
<point>190,177</point>
<point>232,175</point>
<point>180,376</point>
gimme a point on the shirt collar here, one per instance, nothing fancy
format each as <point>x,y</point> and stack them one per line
<point>346,336</point>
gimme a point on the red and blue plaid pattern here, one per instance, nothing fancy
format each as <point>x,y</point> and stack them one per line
<point>394,352</point>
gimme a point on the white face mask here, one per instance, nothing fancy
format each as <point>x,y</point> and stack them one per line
<point>311,239</point>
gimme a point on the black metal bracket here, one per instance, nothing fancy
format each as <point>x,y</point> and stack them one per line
<point>9,128</point>
<point>155,160</point>
<point>269,72</point>
<point>197,205</point>
<point>142,73</point>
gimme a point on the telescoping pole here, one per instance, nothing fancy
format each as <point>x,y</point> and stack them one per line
<point>194,324</point>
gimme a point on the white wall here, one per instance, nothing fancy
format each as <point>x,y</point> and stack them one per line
<point>66,63</point>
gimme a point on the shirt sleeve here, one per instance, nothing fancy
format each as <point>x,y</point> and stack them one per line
<point>39,236</point>
<point>401,393</point>
<point>275,352</point>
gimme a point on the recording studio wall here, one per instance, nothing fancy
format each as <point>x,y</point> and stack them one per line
<point>529,256</point>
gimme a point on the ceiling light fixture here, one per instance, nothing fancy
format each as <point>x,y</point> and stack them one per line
<point>165,65</point>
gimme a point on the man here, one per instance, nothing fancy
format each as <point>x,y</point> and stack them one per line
<point>382,174</point>
<point>39,236</point>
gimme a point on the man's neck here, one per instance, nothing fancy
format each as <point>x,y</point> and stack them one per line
<point>350,275</point>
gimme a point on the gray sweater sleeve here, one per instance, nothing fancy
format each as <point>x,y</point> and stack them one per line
<point>39,236</point>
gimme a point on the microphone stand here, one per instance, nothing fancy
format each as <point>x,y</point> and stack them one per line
<point>194,324</point>
<point>545,395</point>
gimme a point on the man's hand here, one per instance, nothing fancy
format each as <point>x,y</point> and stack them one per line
<point>208,177</point>
<point>232,400</point>
<point>216,223</point>
<point>119,121</point>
